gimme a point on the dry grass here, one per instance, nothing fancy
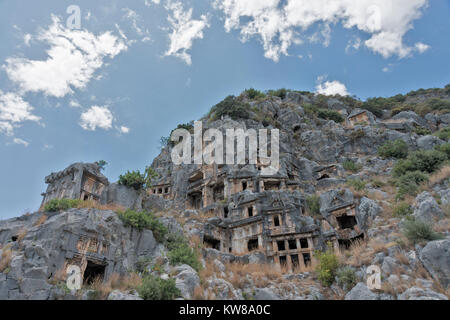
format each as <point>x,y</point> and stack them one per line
<point>360,253</point>
<point>199,293</point>
<point>5,258</point>
<point>40,221</point>
<point>22,233</point>
<point>90,204</point>
<point>115,282</point>
<point>439,176</point>
<point>443,225</point>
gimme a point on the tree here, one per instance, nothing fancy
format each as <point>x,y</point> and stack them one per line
<point>101,164</point>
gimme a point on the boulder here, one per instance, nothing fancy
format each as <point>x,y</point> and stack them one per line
<point>265,294</point>
<point>428,142</point>
<point>435,257</point>
<point>427,209</point>
<point>124,196</point>
<point>361,292</point>
<point>367,211</point>
<point>186,280</point>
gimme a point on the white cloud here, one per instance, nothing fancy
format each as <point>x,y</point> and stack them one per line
<point>330,88</point>
<point>134,17</point>
<point>74,104</point>
<point>27,38</point>
<point>20,141</point>
<point>148,3</point>
<point>73,58</point>
<point>184,31</point>
<point>421,47</point>
<point>13,111</point>
<point>124,130</point>
<point>96,116</point>
<point>279,23</point>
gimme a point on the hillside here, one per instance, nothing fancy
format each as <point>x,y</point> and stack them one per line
<point>360,184</point>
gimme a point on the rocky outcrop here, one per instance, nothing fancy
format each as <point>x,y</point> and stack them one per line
<point>41,249</point>
<point>435,256</point>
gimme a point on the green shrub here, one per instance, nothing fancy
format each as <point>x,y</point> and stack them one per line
<point>281,93</point>
<point>232,107</point>
<point>409,183</point>
<point>313,204</point>
<point>254,94</point>
<point>101,164</point>
<point>422,131</point>
<point>155,288</point>
<point>181,253</point>
<point>346,278</point>
<point>402,209</point>
<point>138,180</point>
<point>418,231</point>
<point>357,184</point>
<point>330,115</point>
<point>56,205</point>
<point>443,134</point>
<point>444,148</point>
<point>393,149</point>
<point>351,166</point>
<point>328,264</point>
<point>425,161</point>
<point>133,179</point>
<point>144,220</point>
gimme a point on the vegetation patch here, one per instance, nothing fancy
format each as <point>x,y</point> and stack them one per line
<point>155,288</point>
<point>328,265</point>
<point>417,231</point>
<point>144,220</point>
<point>351,166</point>
<point>394,149</point>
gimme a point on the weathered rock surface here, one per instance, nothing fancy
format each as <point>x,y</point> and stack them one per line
<point>435,256</point>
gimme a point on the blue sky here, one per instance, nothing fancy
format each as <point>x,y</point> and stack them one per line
<point>135,69</point>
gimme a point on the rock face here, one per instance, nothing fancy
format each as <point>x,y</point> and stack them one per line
<point>241,215</point>
<point>427,209</point>
<point>361,292</point>
<point>42,250</point>
<point>435,256</point>
<point>416,293</point>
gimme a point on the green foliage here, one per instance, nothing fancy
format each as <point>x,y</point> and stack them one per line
<point>346,278</point>
<point>443,134</point>
<point>138,180</point>
<point>281,93</point>
<point>155,288</point>
<point>330,115</point>
<point>409,183</point>
<point>357,184</point>
<point>394,149</point>
<point>402,209</point>
<point>401,108</point>
<point>444,148</point>
<point>101,164</point>
<point>351,166</point>
<point>313,204</point>
<point>418,231</point>
<point>56,205</point>
<point>254,94</point>
<point>232,107</point>
<point>328,265</point>
<point>422,131</point>
<point>377,105</point>
<point>426,161</point>
<point>133,179</point>
<point>144,220</point>
<point>181,253</point>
